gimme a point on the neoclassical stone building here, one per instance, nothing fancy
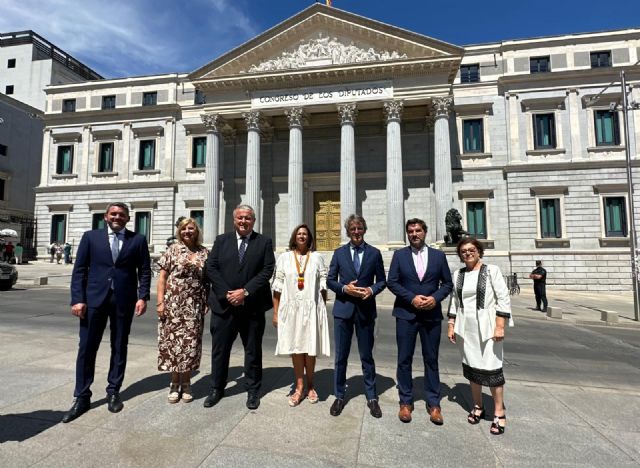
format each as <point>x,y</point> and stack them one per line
<point>330,113</point>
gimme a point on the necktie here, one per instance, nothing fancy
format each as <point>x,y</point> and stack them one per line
<point>356,258</point>
<point>115,246</point>
<point>242,249</point>
<point>420,266</point>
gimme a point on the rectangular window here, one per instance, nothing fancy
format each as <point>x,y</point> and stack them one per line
<point>470,73</point>
<point>600,59</point>
<point>477,219</point>
<point>198,216</point>
<point>69,105</point>
<point>199,152</point>
<point>3,150</point>
<point>150,99</point>
<point>11,63</point>
<point>615,216</point>
<point>108,102</point>
<point>143,224</point>
<point>200,97</point>
<point>2,186</point>
<point>539,64</point>
<point>147,159</point>
<point>473,138</point>
<point>64,163</point>
<point>550,223</point>
<point>544,131</point>
<point>58,228</point>
<point>8,89</point>
<point>607,128</point>
<point>105,161</point>
<point>97,221</point>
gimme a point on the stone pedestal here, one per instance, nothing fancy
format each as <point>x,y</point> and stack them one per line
<point>395,191</point>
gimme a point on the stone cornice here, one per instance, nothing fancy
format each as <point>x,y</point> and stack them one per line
<point>113,115</point>
<point>128,186</point>
<point>549,166</point>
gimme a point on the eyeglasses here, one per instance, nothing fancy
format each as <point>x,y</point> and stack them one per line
<point>468,251</point>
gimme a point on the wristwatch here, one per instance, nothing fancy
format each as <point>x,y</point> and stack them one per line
<point>246,293</point>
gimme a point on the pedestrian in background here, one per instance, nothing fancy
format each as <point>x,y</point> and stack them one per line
<point>67,253</point>
<point>52,252</point>
<point>182,305</point>
<point>8,252</point>
<point>539,277</point>
<point>478,312</point>
<point>19,250</point>
<point>59,252</point>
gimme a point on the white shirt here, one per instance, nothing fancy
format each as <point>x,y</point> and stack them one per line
<point>113,233</point>
<point>352,249</point>
<point>239,238</point>
<point>424,253</point>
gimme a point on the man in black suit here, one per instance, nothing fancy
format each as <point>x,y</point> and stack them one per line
<point>239,268</point>
<point>110,280</point>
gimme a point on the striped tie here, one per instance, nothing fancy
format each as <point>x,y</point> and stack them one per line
<point>242,249</point>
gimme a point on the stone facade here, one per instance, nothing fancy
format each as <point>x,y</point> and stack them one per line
<point>394,124</point>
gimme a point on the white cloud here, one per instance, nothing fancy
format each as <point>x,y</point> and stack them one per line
<point>135,37</point>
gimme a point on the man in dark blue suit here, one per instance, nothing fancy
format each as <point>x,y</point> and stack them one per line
<point>110,280</point>
<point>420,278</point>
<point>356,275</point>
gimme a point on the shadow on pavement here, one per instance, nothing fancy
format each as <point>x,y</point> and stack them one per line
<point>20,427</point>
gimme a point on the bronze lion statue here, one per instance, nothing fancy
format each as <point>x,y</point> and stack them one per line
<point>453,223</point>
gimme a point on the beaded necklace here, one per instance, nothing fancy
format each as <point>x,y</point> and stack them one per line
<point>299,270</point>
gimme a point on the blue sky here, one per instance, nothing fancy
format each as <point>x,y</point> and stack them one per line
<point>142,37</point>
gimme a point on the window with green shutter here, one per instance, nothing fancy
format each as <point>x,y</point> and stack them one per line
<point>198,216</point>
<point>550,222</point>
<point>64,162</point>
<point>147,155</point>
<point>473,138</point>
<point>544,131</point>
<point>97,221</point>
<point>105,161</point>
<point>199,152</point>
<point>143,224</point>
<point>607,128</point>
<point>477,219</point>
<point>615,217</point>
<point>58,228</point>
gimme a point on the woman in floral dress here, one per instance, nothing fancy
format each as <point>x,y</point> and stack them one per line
<point>182,305</point>
<point>299,312</point>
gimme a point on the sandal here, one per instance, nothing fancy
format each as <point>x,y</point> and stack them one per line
<point>174,393</point>
<point>473,417</point>
<point>312,396</point>
<point>296,398</point>
<point>496,428</point>
<point>187,397</point>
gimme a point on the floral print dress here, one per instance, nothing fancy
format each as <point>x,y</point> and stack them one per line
<point>185,302</point>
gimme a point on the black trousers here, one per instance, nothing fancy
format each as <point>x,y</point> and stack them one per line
<point>91,330</point>
<point>540,290</point>
<point>225,329</point>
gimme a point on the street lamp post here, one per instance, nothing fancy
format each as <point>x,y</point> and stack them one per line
<point>632,224</point>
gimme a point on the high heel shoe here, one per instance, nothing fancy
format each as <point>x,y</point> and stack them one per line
<point>472,417</point>
<point>496,428</point>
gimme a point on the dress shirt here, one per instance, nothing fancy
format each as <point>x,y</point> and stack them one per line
<point>113,233</point>
<point>239,238</point>
<point>424,253</point>
<point>352,250</point>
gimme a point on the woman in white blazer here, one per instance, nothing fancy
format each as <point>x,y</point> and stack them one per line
<point>478,312</point>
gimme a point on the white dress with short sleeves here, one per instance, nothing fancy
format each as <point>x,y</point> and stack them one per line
<point>303,326</point>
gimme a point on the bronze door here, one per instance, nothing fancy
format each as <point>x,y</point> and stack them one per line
<point>328,225</point>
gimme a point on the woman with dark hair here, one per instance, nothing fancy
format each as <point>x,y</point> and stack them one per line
<point>299,312</point>
<point>182,305</point>
<point>478,312</point>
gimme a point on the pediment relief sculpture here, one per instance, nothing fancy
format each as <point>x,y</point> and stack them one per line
<point>325,51</point>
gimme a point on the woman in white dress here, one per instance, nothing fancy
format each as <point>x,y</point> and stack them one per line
<point>299,311</point>
<point>478,312</point>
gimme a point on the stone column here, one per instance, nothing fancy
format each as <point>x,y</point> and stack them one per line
<point>442,164</point>
<point>348,113</point>
<point>252,179</point>
<point>574,123</point>
<point>395,190</point>
<point>295,116</point>
<point>213,123</point>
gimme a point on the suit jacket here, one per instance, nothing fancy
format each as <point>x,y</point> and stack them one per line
<point>403,281</point>
<point>94,270</point>
<point>225,273</point>
<point>342,272</point>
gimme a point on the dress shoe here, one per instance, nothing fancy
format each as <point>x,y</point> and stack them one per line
<point>253,400</point>
<point>405,412</point>
<point>213,398</point>
<point>374,408</point>
<point>337,407</point>
<point>114,403</point>
<point>435,415</point>
<point>79,407</point>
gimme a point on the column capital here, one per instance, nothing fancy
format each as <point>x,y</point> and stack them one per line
<point>441,106</point>
<point>393,110</point>
<point>252,119</point>
<point>348,113</point>
<point>295,116</point>
<point>213,122</point>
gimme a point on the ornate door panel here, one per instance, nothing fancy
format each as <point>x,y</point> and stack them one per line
<point>328,225</point>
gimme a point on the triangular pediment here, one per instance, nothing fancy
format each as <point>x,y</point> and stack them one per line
<point>321,37</point>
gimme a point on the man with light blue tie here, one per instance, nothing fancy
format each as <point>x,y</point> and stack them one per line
<point>356,275</point>
<point>110,281</point>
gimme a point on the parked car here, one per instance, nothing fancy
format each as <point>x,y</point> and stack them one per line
<point>8,276</point>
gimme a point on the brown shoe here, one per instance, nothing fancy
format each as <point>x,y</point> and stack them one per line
<point>405,413</point>
<point>435,415</point>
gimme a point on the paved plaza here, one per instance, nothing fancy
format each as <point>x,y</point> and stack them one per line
<point>572,397</point>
